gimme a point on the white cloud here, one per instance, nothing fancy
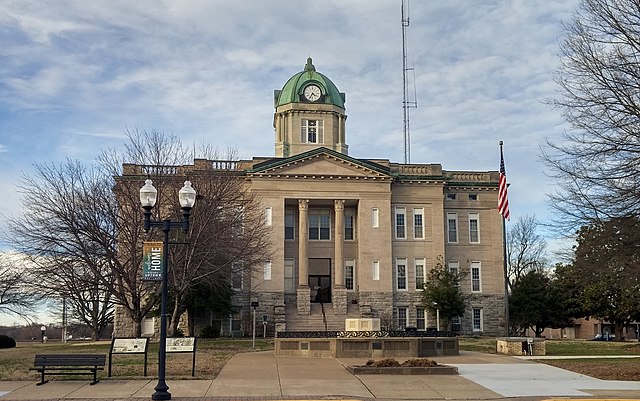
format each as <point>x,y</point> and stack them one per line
<point>73,78</point>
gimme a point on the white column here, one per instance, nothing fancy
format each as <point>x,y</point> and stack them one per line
<point>303,237</point>
<point>339,244</point>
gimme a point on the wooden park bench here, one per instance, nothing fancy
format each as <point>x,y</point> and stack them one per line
<point>69,364</point>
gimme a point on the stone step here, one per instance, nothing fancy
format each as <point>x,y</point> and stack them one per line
<point>314,321</point>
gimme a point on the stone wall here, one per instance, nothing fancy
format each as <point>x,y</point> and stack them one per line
<point>521,346</point>
<point>376,304</point>
<point>339,301</point>
<point>493,314</point>
<point>123,326</point>
<point>366,347</point>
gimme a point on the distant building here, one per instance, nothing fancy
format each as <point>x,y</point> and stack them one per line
<point>356,237</point>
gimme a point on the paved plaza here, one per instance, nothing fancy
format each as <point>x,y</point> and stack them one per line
<point>263,376</point>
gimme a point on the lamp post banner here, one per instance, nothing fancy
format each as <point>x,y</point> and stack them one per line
<point>152,261</point>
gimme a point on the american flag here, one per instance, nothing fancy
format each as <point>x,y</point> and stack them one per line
<point>503,201</point>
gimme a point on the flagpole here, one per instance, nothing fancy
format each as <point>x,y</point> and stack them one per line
<point>506,275</point>
<point>504,255</point>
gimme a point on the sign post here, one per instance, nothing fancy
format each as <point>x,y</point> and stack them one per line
<point>129,346</point>
<point>183,344</point>
<point>254,305</point>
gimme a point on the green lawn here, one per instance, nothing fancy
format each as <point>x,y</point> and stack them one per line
<point>211,355</point>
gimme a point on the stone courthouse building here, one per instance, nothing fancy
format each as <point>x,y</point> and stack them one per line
<point>355,238</point>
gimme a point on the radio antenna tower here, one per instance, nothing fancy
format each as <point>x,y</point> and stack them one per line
<point>406,103</point>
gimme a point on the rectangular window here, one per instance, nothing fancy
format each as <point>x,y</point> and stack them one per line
<point>420,274</point>
<point>418,223</point>
<point>401,318</point>
<point>451,196</point>
<point>289,277</point>
<point>476,283</point>
<point>237,223</point>
<point>477,319</point>
<point>236,276</point>
<point>401,228</point>
<point>456,325</point>
<point>421,319</point>
<point>312,131</point>
<point>349,225</point>
<point>452,227</point>
<point>319,224</point>
<point>454,267</point>
<point>374,218</point>
<point>236,321</point>
<point>267,216</point>
<point>267,270</point>
<point>375,271</point>
<point>401,274</point>
<point>474,228</point>
<point>473,197</point>
<point>289,224</point>
<point>349,274</point>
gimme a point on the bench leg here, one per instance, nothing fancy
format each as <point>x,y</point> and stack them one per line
<point>42,380</point>
<point>95,377</point>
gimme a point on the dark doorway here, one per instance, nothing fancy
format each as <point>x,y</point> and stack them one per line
<point>320,286</point>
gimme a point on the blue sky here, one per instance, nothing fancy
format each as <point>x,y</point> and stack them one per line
<point>75,74</point>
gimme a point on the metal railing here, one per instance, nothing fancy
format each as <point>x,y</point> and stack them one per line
<point>364,334</point>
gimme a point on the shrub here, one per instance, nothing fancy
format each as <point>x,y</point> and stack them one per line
<point>420,362</point>
<point>383,363</point>
<point>392,363</point>
<point>7,342</point>
<point>209,332</point>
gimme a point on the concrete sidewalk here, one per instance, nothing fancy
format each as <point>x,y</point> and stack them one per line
<point>263,375</point>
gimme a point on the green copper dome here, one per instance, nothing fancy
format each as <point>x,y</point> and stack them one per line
<point>292,92</point>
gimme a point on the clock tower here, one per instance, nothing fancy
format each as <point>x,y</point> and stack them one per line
<point>309,114</point>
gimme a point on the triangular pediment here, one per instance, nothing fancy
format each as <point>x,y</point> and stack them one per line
<point>321,162</point>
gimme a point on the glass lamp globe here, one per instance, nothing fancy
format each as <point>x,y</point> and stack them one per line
<point>148,194</point>
<point>187,195</point>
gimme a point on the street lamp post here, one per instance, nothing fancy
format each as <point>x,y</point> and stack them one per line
<point>148,198</point>
<point>254,305</point>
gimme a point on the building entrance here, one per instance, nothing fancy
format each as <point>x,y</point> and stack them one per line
<point>321,287</point>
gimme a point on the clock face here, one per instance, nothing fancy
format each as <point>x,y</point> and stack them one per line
<point>312,93</point>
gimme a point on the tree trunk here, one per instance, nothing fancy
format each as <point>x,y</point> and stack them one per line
<point>619,328</point>
<point>95,330</point>
<point>172,328</point>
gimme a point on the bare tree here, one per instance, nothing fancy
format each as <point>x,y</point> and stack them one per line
<point>153,149</point>
<point>65,235</point>
<point>83,228</point>
<point>525,248</point>
<point>596,163</point>
<point>86,246</point>
<point>16,298</point>
<point>228,234</point>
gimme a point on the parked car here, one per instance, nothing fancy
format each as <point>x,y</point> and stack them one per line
<point>604,337</point>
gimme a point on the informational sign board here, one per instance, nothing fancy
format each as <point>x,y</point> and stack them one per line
<point>183,344</point>
<point>152,261</point>
<point>129,346</point>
